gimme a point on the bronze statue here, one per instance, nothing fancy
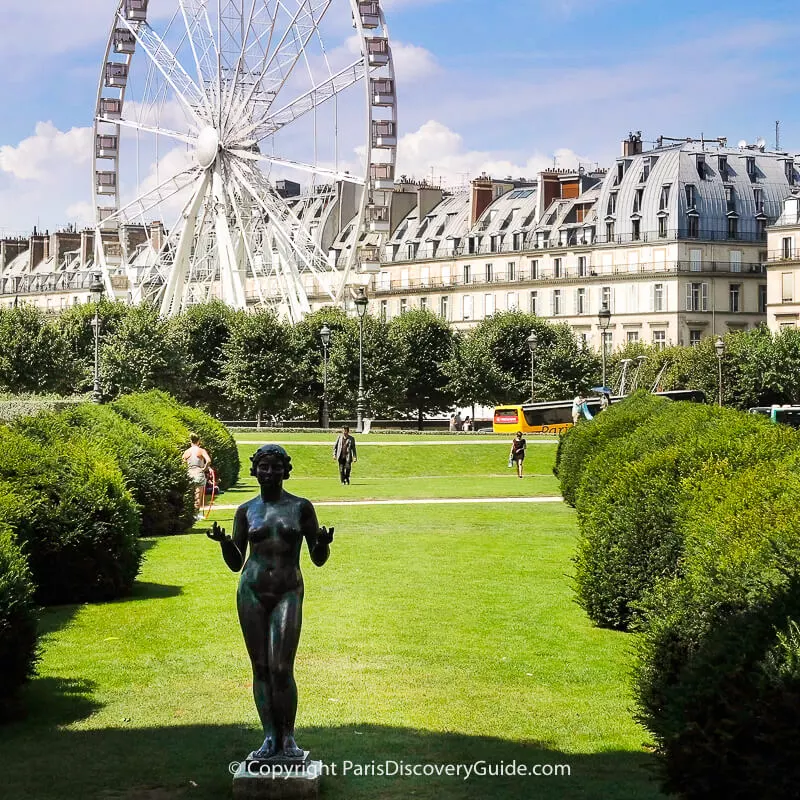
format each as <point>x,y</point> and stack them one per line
<point>270,595</point>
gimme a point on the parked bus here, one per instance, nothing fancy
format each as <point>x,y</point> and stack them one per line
<point>555,417</point>
<point>786,415</point>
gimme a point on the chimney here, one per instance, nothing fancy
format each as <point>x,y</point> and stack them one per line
<point>37,250</point>
<point>632,146</point>
<point>61,243</point>
<point>157,235</point>
<point>482,197</point>
<point>428,198</point>
<point>87,247</point>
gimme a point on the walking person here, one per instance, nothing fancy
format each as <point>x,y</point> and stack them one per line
<point>577,408</point>
<point>197,461</point>
<point>605,401</point>
<point>467,424</point>
<point>517,456</point>
<point>344,451</point>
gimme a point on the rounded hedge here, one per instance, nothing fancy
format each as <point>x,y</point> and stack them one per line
<point>73,516</point>
<point>718,675</point>
<point>152,468</point>
<point>160,415</point>
<point>18,635</point>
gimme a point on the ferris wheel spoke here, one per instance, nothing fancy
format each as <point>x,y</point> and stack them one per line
<point>157,131</point>
<point>327,172</point>
<point>157,195</point>
<point>201,38</point>
<point>187,92</point>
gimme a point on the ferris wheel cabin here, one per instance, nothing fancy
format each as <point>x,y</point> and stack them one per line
<point>136,10</point>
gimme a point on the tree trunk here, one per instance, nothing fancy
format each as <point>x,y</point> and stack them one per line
<point>259,418</point>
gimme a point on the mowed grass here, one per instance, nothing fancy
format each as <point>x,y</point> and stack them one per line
<point>411,471</point>
<point>435,634</point>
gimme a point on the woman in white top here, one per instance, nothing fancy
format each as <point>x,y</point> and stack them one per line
<point>197,461</point>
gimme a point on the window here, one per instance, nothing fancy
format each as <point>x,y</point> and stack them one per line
<point>488,305</point>
<point>761,228</point>
<point>787,287</point>
<point>751,167</point>
<point>787,247</point>
<point>580,301</point>
<point>663,201</point>
<point>694,338</point>
<point>467,273</point>
<point>701,167</point>
<point>517,241</point>
<point>633,337</point>
<point>735,295</point>
<point>697,297</point>
<point>384,310</point>
<point>411,251</point>
<point>385,282</point>
<point>467,307</point>
<point>533,303</point>
<point>556,267</point>
<point>645,171</point>
<point>636,229</point>
<point>762,298</point>
<point>423,303</point>
<point>512,301</point>
<point>404,280</point>
<point>730,198</point>
<point>612,204</point>
<point>493,244</point>
<point>425,276</point>
<point>620,172</point>
<point>556,310</point>
<point>444,307</point>
<point>582,266</point>
<point>658,297</point>
<point>660,340</point>
<point>736,260</point>
<point>691,195</point>
<point>512,270</point>
<point>662,227</point>
<point>605,298</point>
<point>608,342</point>
<point>471,245</point>
<point>696,260</point>
<point>693,228</point>
<point>489,273</point>
<point>637,201</point>
<point>733,227</point>
<point>534,269</point>
<point>403,305</point>
<point>723,168</point>
<point>790,172</point>
<point>446,275</point>
<point>758,199</point>
<point>609,231</point>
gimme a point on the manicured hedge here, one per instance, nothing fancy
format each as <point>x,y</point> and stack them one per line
<point>13,407</point>
<point>718,674</point>
<point>74,518</point>
<point>160,415</point>
<point>17,620</point>
<point>152,467</point>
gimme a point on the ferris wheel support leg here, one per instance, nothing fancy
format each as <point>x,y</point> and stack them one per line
<point>173,293</point>
<point>230,276</point>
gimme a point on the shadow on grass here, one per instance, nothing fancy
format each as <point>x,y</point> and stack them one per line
<point>126,763</point>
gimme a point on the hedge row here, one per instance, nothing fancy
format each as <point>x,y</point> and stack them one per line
<point>690,530</point>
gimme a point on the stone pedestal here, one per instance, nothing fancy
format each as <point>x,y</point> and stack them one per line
<point>274,779</point>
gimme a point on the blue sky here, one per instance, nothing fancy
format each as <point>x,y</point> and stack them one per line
<point>503,86</point>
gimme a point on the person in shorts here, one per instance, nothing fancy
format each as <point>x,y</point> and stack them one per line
<point>197,461</point>
<point>517,456</point>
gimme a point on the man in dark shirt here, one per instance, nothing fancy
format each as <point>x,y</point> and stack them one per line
<point>344,451</point>
<point>518,445</point>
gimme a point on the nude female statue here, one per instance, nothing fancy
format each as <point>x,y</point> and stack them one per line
<point>270,595</point>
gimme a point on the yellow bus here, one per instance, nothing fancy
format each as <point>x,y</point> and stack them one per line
<point>555,417</point>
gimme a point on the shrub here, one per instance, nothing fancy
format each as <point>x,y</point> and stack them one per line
<point>78,524</point>
<point>581,443</point>
<point>152,469</point>
<point>160,415</point>
<point>718,675</point>
<point>633,499</point>
<point>16,406</point>
<point>17,620</point>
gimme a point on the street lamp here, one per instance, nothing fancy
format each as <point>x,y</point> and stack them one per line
<point>719,346</point>
<point>604,320</point>
<point>532,340</point>
<point>96,291</point>
<point>361,301</point>
<point>325,338</point>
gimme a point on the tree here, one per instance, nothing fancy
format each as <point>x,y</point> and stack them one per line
<point>143,353</point>
<point>259,365</point>
<point>473,376</point>
<point>423,344</point>
<point>34,356</point>
<point>203,330</point>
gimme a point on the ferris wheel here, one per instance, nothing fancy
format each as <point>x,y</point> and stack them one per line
<point>232,146</point>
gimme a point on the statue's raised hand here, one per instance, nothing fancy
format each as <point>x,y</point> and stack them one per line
<point>217,534</point>
<point>325,536</point>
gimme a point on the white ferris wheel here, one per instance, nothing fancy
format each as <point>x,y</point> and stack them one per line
<point>211,115</point>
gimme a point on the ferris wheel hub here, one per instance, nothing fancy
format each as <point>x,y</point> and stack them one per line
<point>207,147</point>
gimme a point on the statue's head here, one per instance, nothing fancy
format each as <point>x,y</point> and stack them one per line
<point>275,455</point>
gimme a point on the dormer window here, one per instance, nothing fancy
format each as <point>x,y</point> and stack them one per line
<point>730,199</point>
<point>701,167</point>
<point>758,199</point>
<point>612,204</point>
<point>620,172</point>
<point>637,201</point>
<point>663,202</point>
<point>645,170</point>
<point>723,168</point>
<point>610,231</point>
<point>750,161</point>
<point>691,195</point>
<point>789,167</point>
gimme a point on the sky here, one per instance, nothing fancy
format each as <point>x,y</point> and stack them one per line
<point>506,87</point>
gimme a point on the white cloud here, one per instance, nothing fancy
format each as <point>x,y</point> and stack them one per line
<point>48,153</point>
<point>413,63</point>
<point>437,151</point>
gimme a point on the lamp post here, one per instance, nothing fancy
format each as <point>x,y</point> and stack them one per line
<point>96,292</point>
<point>325,338</point>
<point>532,340</point>
<point>604,320</point>
<point>361,301</point>
<point>719,346</point>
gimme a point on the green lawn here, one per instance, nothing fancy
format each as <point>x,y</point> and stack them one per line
<point>439,634</point>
